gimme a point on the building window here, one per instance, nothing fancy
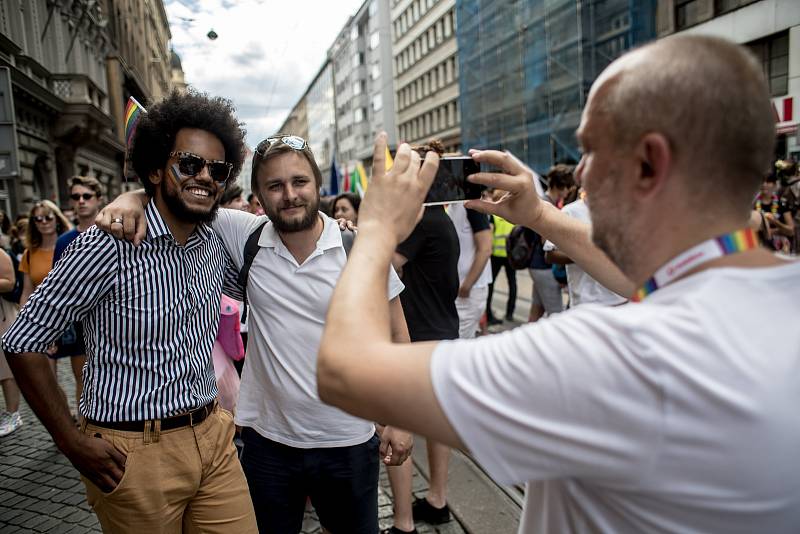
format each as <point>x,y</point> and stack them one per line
<point>359,115</point>
<point>373,8</point>
<point>377,102</point>
<point>688,13</point>
<point>354,33</point>
<point>723,6</point>
<point>375,72</point>
<point>374,41</point>
<point>773,52</point>
<point>357,88</point>
<point>358,59</point>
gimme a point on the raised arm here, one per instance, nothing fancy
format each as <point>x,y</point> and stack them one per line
<point>129,207</point>
<point>360,369</point>
<point>522,205</point>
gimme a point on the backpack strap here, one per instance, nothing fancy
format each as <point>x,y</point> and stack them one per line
<point>250,250</point>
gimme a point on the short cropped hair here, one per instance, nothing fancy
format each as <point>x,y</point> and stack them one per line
<point>232,192</point>
<point>560,177</point>
<point>89,182</point>
<point>266,151</point>
<point>156,131</point>
<point>709,98</point>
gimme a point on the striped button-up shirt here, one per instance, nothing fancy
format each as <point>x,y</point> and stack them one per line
<point>150,317</point>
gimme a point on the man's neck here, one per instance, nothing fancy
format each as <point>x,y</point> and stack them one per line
<point>301,244</point>
<point>181,230</point>
<point>85,223</point>
<point>672,239</point>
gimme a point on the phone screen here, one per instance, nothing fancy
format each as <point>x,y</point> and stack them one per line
<point>451,185</point>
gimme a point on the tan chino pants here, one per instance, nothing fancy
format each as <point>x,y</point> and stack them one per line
<point>184,480</point>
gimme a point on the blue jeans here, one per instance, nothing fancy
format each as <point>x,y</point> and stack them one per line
<point>342,483</point>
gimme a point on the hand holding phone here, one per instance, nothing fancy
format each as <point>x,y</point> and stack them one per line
<point>451,185</point>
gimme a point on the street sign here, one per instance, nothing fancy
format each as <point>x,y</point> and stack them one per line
<point>9,162</point>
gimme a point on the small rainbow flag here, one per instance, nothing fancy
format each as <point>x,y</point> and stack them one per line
<point>133,112</point>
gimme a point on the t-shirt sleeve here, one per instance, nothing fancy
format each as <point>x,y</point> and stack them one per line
<point>413,244</point>
<point>234,227</point>
<point>395,285</point>
<point>86,273</point>
<point>566,397</point>
<point>25,262</point>
<point>478,221</point>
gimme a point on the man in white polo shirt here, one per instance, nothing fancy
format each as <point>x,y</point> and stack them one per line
<point>296,446</point>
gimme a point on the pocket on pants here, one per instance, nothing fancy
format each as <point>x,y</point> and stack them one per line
<point>128,446</point>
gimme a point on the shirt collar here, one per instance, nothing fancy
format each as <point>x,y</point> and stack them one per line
<point>157,227</point>
<point>331,236</point>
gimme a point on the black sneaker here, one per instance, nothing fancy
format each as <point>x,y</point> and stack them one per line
<point>493,321</point>
<point>395,530</point>
<point>422,510</point>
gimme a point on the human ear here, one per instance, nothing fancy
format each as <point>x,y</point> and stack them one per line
<point>655,160</point>
<point>156,176</point>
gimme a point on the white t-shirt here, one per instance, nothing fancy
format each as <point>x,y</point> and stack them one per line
<point>677,414</point>
<point>288,303</point>
<point>583,289</point>
<point>466,240</point>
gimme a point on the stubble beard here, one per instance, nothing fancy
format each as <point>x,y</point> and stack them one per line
<point>294,225</point>
<point>181,211</point>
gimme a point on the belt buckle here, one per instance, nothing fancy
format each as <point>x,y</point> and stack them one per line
<point>191,418</point>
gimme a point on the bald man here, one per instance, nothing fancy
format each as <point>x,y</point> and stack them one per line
<point>663,415</point>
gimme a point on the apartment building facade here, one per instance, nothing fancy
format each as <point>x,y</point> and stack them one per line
<point>771,29</point>
<point>425,53</point>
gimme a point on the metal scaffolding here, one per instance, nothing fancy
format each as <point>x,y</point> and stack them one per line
<point>526,67</point>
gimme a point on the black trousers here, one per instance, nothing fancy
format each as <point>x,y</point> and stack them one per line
<point>511,276</point>
<point>342,483</point>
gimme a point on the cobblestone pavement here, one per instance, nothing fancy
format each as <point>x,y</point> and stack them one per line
<point>40,491</point>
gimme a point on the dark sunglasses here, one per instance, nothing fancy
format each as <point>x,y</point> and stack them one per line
<point>191,165</point>
<point>294,142</point>
<point>85,196</point>
<point>43,218</point>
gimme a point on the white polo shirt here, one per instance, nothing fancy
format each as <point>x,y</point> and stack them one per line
<point>288,303</point>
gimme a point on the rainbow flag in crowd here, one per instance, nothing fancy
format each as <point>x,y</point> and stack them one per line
<point>133,112</point>
<point>358,180</point>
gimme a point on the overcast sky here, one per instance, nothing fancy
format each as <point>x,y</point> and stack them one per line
<point>265,56</point>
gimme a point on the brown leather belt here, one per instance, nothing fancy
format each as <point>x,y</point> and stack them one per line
<point>193,418</point>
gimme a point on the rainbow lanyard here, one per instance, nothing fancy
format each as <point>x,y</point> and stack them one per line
<point>717,247</point>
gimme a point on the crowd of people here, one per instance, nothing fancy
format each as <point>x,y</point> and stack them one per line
<point>192,315</point>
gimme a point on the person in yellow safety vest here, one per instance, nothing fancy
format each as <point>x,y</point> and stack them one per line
<point>501,228</point>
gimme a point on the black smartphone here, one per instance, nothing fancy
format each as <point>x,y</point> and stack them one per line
<point>451,185</point>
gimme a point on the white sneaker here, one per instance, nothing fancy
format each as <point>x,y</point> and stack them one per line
<point>4,417</point>
<point>10,424</point>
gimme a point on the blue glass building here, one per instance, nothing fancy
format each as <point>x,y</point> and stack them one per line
<point>526,67</point>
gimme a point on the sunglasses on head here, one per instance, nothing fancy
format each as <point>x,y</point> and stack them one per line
<point>43,218</point>
<point>190,165</point>
<point>84,196</point>
<point>294,142</point>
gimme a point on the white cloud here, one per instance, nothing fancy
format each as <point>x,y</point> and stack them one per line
<point>266,53</point>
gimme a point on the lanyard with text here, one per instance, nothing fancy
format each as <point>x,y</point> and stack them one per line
<point>717,247</point>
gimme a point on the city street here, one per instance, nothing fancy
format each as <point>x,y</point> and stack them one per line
<point>40,491</point>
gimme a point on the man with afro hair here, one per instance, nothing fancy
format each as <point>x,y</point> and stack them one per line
<point>155,451</point>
